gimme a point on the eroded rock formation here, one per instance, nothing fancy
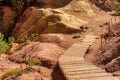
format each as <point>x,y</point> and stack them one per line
<point>35,20</point>
<point>48,53</point>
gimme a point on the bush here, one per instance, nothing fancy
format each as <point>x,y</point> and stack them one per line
<point>29,38</point>
<point>30,63</point>
<point>18,4</point>
<point>10,73</point>
<point>36,62</point>
<point>11,39</point>
<point>33,62</point>
<point>116,8</point>
<point>4,46</point>
<point>50,23</point>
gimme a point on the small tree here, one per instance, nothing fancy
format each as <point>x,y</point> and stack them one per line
<point>29,59</point>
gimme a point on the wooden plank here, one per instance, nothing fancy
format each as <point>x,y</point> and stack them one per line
<point>85,72</point>
<point>75,67</point>
<point>83,76</point>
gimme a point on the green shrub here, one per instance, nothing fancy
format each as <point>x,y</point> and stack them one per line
<point>10,73</point>
<point>1,37</point>
<point>30,63</point>
<point>4,46</point>
<point>11,39</point>
<point>43,17</point>
<point>50,23</point>
<point>33,62</point>
<point>18,4</point>
<point>27,70</point>
<point>116,8</point>
<point>29,38</point>
<point>36,62</point>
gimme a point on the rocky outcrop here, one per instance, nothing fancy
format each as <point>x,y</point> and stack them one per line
<point>7,65</point>
<point>62,40</point>
<point>48,53</point>
<point>114,65</point>
<point>32,76</point>
<point>7,19</point>
<point>105,4</point>
<point>80,8</point>
<point>35,20</point>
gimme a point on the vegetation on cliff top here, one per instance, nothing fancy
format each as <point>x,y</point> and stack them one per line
<point>117,7</point>
<point>17,4</point>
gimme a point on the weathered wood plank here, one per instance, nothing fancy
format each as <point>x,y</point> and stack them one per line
<point>75,67</point>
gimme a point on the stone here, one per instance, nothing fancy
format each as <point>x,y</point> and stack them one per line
<point>48,53</point>
<point>35,20</point>
<point>63,40</point>
<point>8,19</point>
<point>113,65</point>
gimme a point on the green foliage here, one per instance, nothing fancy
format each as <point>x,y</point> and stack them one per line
<point>50,23</point>
<point>10,73</point>
<point>11,39</point>
<point>4,46</point>
<point>33,62</point>
<point>18,4</point>
<point>29,38</point>
<point>116,8</point>
<point>30,63</point>
<point>43,17</point>
<point>1,37</point>
<point>27,70</point>
<point>36,62</point>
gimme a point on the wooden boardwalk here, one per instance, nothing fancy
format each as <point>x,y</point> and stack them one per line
<point>75,67</point>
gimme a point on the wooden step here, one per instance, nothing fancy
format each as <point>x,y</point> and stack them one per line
<point>75,67</point>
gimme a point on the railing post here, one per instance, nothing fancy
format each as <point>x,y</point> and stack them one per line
<point>101,43</point>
